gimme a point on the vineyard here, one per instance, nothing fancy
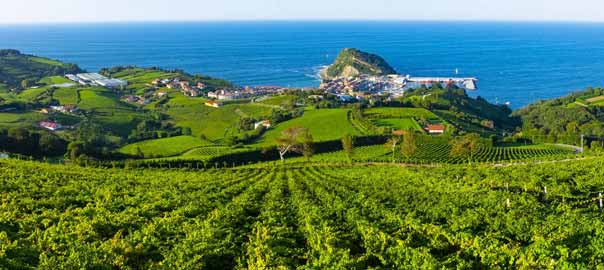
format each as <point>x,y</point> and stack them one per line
<point>439,151</point>
<point>302,217</point>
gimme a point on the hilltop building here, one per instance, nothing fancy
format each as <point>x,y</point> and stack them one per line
<point>96,79</point>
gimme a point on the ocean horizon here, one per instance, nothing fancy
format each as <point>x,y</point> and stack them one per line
<point>516,62</point>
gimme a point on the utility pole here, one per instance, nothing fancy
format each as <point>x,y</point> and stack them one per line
<point>600,201</point>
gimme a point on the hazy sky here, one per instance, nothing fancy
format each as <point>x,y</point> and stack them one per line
<point>33,11</point>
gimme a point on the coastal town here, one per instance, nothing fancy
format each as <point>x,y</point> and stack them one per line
<point>393,85</point>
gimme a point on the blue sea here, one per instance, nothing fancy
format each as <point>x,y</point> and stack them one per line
<point>515,62</point>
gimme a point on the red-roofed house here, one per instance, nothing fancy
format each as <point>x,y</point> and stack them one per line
<point>50,125</point>
<point>436,129</point>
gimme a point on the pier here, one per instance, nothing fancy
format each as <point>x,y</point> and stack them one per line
<point>467,83</point>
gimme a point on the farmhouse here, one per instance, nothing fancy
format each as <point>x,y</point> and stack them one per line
<point>265,123</point>
<point>50,125</point>
<point>212,103</point>
<point>193,93</point>
<point>131,98</point>
<point>213,94</point>
<point>436,129</point>
<point>172,85</point>
<point>70,108</point>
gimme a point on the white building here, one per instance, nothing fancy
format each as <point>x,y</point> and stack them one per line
<point>265,123</point>
<point>111,83</point>
<point>98,79</point>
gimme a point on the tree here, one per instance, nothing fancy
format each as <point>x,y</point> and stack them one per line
<point>27,83</point>
<point>51,145</point>
<point>139,153</point>
<point>391,145</point>
<point>295,139</point>
<point>408,146</point>
<point>348,145</point>
<point>466,146</point>
<point>595,148</point>
<point>75,149</point>
<point>230,140</point>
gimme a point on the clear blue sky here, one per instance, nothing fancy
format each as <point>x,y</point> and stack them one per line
<point>34,11</point>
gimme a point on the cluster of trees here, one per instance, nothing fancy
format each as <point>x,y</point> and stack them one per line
<point>26,142</point>
<point>91,141</point>
<point>465,108</point>
<point>561,120</point>
<point>154,129</point>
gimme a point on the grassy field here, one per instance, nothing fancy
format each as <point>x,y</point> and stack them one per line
<point>46,61</point>
<point>164,147</point>
<point>324,125</point>
<point>390,112</point>
<point>106,107</point>
<point>96,98</point>
<point>277,100</point>
<point>397,123</point>
<point>66,95</point>
<point>399,118</point>
<point>214,123</point>
<point>54,80</point>
<point>32,93</point>
<point>20,119</point>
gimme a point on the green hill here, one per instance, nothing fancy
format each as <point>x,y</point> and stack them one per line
<point>353,62</point>
<point>323,124</point>
<point>19,70</point>
<point>465,113</point>
<point>140,78</point>
<point>563,119</point>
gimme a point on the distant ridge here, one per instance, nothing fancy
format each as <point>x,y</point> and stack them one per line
<point>19,70</point>
<point>353,62</point>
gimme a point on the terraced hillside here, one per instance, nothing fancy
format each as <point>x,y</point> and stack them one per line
<point>302,217</point>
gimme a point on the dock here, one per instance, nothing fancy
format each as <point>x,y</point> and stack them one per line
<point>467,83</point>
